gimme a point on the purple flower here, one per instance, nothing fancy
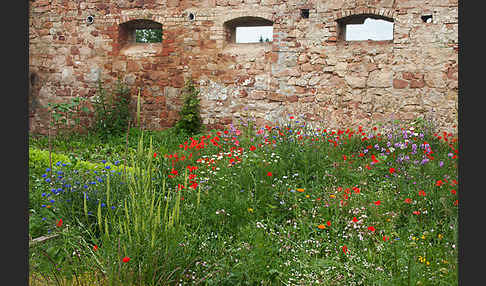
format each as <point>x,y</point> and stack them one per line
<point>441,164</point>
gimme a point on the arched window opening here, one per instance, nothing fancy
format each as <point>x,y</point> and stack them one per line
<point>249,30</point>
<point>365,27</point>
<point>140,31</point>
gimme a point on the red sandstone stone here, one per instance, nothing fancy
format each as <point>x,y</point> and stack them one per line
<point>398,83</point>
<point>417,83</point>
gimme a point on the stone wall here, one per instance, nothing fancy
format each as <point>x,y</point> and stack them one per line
<point>307,71</point>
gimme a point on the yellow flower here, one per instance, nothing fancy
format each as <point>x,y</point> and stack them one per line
<point>423,237</point>
<point>250,210</point>
<point>428,263</point>
<point>300,190</point>
<point>440,236</point>
<point>333,196</point>
<point>307,196</point>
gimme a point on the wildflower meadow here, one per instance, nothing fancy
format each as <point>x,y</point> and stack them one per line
<point>286,204</point>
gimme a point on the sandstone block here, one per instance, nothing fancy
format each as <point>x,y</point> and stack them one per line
<point>398,83</point>
<point>380,78</point>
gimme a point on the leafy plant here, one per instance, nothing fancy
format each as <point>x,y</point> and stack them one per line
<point>111,110</point>
<point>190,120</point>
<point>64,113</point>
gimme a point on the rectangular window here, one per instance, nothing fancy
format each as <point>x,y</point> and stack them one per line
<point>148,35</point>
<point>365,27</point>
<point>258,34</point>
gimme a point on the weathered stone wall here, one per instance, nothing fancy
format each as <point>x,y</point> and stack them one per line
<point>306,71</point>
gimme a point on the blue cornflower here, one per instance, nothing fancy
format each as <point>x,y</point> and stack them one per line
<point>103,205</point>
<point>85,186</point>
<point>103,161</point>
<point>107,167</point>
<point>44,175</point>
<point>52,201</point>
<point>43,194</point>
<point>43,206</point>
<point>58,163</point>
<point>48,180</point>
<point>117,162</point>
<point>59,172</point>
<point>48,169</point>
<point>43,218</point>
<point>59,190</point>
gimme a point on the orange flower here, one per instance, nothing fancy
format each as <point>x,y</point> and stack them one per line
<point>321,226</point>
<point>300,190</point>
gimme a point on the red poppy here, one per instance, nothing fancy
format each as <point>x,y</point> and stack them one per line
<point>155,155</point>
<point>378,203</point>
<point>328,223</point>
<point>126,259</point>
<point>291,117</point>
<point>269,174</point>
<point>453,192</point>
<point>371,228</point>
<point>422,193</point>
<point>252,148</point>
<point>456,202</point>
<point>373,158</point>
<point>416,212</point>
<point>439,183</point>
<point>408,200</point>
<point>392,170</point>
<point>355,219</point>
<point>59,223</point>
<point>345,249</point>
<point>386,238</point>
<point>95,247</point>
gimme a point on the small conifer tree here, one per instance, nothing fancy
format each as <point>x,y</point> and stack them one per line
<point>190,120</point>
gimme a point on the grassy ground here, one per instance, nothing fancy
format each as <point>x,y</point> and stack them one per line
<point>280,205</point>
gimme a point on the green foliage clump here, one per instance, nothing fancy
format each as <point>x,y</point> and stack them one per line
<point>111,110</point>
<point>190,121</point>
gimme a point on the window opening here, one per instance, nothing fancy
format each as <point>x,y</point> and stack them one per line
<point>249,30</point>
<point>304,13</point>
<point>366,27</point>
<point>148,35</point>
<point>257,34</point>
<point>140,31</point>
<point>191,16</point>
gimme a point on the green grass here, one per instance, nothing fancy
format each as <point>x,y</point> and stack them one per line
<point>284,205</point>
